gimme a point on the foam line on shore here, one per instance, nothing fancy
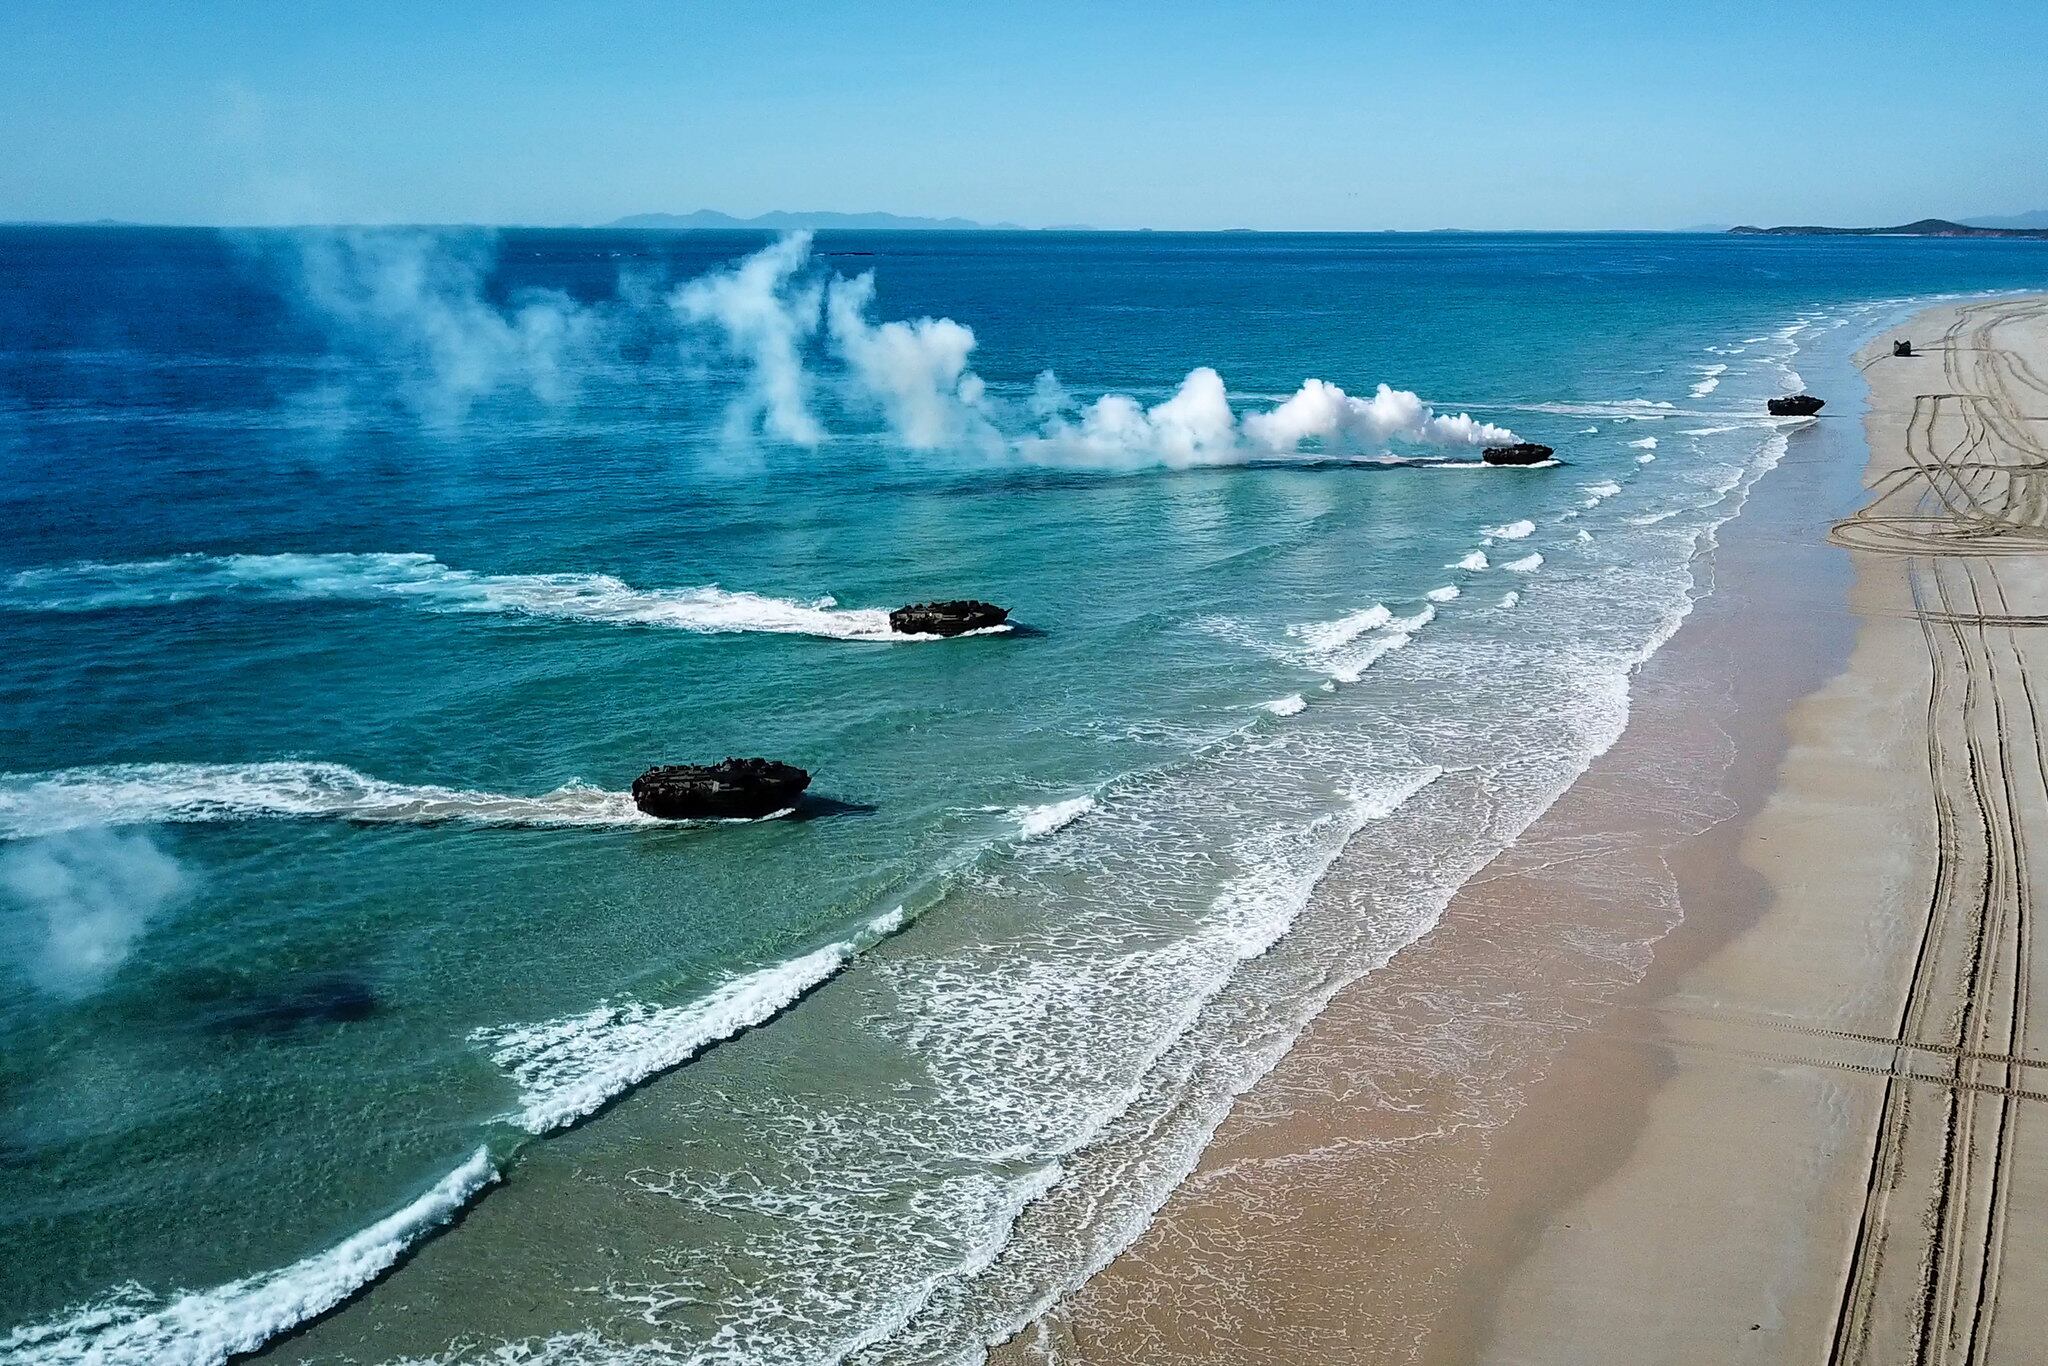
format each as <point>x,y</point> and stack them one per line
<point>206,1327</point>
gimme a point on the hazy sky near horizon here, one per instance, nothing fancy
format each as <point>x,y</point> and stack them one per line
<point>1195,114</point>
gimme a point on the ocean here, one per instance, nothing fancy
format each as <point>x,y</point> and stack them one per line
<point>349,579</point>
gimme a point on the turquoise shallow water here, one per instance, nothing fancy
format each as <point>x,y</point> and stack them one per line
<point>350,580</point>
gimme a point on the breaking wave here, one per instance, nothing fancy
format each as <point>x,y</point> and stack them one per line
<point>1035,821</point>
<point>1344,649</point>
<point>567,1069</point>
<point>133,1327</point>
<point>1322,637</point>
<point>1513,531</point>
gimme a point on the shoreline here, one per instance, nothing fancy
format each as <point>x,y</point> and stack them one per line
<point>1317,1225</point>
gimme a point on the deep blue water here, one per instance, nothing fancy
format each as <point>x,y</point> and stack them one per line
<point>348,581</point>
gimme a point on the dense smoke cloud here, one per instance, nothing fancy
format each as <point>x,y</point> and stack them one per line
<point>790,330</point>
<point>1325,412</point>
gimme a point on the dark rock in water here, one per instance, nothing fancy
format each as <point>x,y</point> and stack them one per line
<point>1796,405</point>
<point>946,618</point>
<point>733,789</point>
<point>1521,453</point>
<point>1902,348</point>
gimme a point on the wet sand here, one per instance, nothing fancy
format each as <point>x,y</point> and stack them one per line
<point>1732,1056</point>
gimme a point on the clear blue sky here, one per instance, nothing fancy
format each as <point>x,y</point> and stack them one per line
<point>1192,114</point>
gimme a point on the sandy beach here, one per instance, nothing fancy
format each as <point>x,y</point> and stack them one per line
<point>1730,1057</point>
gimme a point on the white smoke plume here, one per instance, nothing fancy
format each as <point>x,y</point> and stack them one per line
<point>1322,411</point>
<point>419,299</point>
<point>915,371</point>
<point>794,330</point>
<point>76,903</point>
<point>766,315</point>
<point>1194,427</point>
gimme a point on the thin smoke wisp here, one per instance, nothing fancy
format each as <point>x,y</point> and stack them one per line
<point>418,302</point>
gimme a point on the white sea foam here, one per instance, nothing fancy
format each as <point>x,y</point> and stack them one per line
<point>1323,636</point>
<point>205,1327</point>
<point>1645,458</point>
<point>1475,561</point>
<point>1349,664</point>
<point>1444,594</point>
<point>34,804</point>
<point>1528,564</point>
<point>1512,531</point>
<point>1627,409</point>
<point>1510,598</point>
<point>1291,705</point>
<point>1035,821</point>
<point>1648,443</point>
<point>1345,647</point>
<point>1710,381</point>
<point>568,1068</point>
<point>424,582</point>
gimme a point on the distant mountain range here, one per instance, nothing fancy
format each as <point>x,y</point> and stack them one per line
<point>1926,227</point>
<point>2038,218</point>
<point>781,221</point>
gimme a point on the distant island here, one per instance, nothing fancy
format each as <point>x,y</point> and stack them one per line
<point>1926,227</point>
<point>711,220</point>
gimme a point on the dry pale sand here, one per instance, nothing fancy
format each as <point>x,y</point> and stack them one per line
<point>1807,1124</point>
